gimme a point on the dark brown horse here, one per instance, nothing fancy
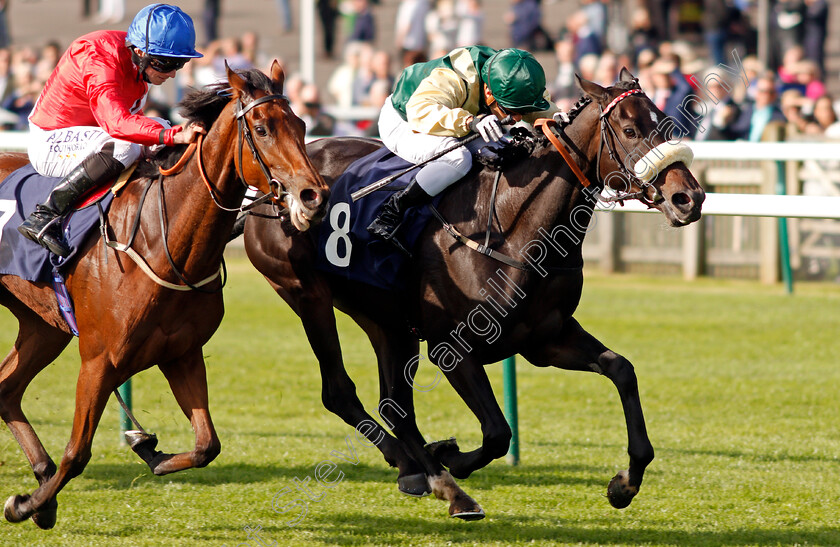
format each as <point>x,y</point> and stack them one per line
<point>127,322</point>
<point>473,309</point>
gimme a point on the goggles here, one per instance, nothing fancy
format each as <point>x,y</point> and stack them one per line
<point>167,64</point>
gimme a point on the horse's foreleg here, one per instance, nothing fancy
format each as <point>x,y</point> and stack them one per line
<point>37,346</point>
<point>576,349</point>
<point>188,379</point>
<point>470,381</point>
<point>95,383</point>
<point>338,393</point>
<point>396,353</point>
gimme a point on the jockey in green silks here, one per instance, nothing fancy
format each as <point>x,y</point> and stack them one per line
<point>436,103</point>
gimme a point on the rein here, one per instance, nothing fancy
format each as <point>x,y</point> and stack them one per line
<point>546,124</point>
<point>197,145</point>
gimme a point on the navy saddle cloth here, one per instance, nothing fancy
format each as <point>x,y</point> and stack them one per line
<point>19,194</point>
<point>345,246</point>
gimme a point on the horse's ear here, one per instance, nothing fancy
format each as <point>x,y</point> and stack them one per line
<point>625,75</point>
<point>591,89</point>
<point>237,82</point>
<point>278,76</point>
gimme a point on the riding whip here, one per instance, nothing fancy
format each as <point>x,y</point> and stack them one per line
<point>373,187</point>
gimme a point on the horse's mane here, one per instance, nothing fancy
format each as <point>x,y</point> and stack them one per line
<point>203,106</point>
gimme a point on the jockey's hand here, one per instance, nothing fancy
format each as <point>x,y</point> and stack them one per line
<point>189,133</point>
<point>488,126</point>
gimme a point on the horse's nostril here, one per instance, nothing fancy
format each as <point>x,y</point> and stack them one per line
<point>680,199</point>
<point>310,198</point>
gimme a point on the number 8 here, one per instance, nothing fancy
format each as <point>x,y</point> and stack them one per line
<point>340,232</point>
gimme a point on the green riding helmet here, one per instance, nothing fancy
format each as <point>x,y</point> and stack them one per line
<point>517,80</point>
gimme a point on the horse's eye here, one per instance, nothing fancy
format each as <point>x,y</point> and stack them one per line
<point>260,130</point>
<point>629,133</point>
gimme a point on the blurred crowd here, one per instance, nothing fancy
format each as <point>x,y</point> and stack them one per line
<point>696,59</point>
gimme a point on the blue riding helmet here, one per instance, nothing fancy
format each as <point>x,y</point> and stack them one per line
<point>163,30</point>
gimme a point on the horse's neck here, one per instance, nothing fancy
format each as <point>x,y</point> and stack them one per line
<point>205,226</point>
<point>539,202</point>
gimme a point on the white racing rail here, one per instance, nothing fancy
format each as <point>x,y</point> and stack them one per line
<point>755,205</point>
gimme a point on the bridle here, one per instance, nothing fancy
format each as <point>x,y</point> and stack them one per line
<point>546,125</point>
<point>244,135</point>
<point>630,175</point>
<point>606,142</point>
<point>244,132</point>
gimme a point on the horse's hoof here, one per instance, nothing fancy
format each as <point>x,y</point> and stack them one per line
<point>143,444</point>
<point>465,508</point>
<point>136,438</point>
<point>46,516</point>
<point>469,515</point>
<point>10,510</point>
<point>414,485</point>
<point>620,492</point>
<point>438,448</point>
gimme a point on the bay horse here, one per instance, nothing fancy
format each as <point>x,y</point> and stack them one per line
<point>126,321</point>
<point>475,310</point>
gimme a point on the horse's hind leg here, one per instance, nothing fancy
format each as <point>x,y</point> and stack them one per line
<point>188,379</point>
<point>309,294</point>
<point>38,344</point>
<point>576,349</point>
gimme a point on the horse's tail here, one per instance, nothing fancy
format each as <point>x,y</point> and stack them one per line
<point>238,227</point>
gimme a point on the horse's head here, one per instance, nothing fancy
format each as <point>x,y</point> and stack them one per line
<point>639,156</point>
<point>271,151</point>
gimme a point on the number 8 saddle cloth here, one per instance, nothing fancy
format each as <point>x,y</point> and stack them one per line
<point>345,247</point>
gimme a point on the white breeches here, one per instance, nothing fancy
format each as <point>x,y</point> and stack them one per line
<point>55,153</point>
<point>415,147</point>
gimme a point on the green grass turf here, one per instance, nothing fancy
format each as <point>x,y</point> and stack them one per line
<point>738,381</point>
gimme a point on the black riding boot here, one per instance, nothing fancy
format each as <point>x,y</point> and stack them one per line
<point>390,218</point>
<point>44,224</point>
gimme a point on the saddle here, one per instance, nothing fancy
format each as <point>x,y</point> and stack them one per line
<point>20,192</point>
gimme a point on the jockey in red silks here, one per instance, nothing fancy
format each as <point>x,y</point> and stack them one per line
<point>88,124</point>
<point>437,103</point>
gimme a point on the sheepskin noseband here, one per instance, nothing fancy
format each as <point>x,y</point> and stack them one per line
<point>657,159</point>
